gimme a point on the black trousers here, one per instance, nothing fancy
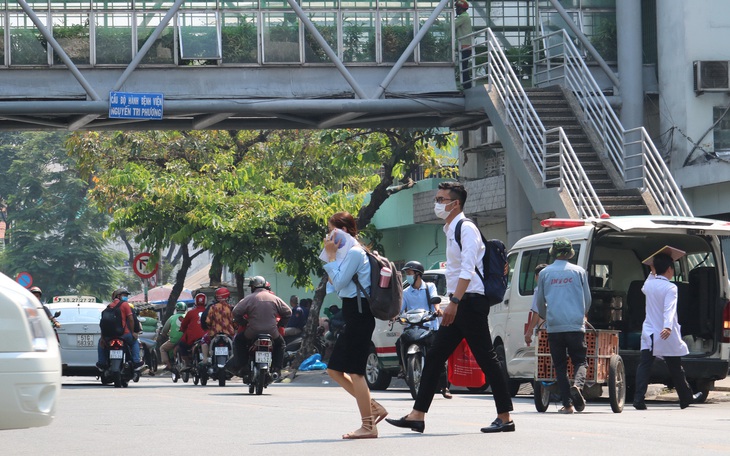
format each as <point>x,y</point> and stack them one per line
<point>465,73</point>
<point>241,346</point>
<point>470,324</point>
<point>574,343</point>
<point>674,364</point>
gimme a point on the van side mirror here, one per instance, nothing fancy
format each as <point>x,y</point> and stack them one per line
<point>435,300</point>
<point>57,314</point>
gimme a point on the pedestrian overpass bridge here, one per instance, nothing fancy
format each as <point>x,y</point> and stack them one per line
<point>239,64</point>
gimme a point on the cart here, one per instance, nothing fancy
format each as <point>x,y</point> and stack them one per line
<point>605,366</point>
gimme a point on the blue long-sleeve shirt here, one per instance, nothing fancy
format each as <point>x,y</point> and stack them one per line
<point>342,272</point>
<point>566,287</point>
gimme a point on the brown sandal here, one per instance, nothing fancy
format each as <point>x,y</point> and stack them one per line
<point>366,431</point>
<point>378,411</point>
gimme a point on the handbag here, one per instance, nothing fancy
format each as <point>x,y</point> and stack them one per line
<point>463,368</point>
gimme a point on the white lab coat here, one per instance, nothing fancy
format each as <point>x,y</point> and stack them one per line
<point>661,312</point>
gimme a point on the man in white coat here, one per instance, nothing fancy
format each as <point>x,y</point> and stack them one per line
<point>661,334</point>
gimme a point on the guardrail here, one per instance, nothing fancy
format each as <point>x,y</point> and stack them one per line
<point>488,61</point>
<point>558,59</point>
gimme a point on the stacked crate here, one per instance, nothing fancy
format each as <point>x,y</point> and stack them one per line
<point>601,344</point>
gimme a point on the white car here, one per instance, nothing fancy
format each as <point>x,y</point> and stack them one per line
<point>30,362</point>
<point>382,363</point>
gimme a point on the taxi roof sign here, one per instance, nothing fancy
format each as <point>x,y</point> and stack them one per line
<point>74,299</point>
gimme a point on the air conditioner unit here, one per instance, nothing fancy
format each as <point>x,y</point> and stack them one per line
<point>712,76</point>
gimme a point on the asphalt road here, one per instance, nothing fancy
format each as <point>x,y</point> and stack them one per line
<point>309,415</point>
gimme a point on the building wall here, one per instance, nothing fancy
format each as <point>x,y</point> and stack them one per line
<point>687,32</point>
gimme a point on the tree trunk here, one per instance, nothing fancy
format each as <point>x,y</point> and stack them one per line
<point>216,271</point>
<point>310,329</point>
<point>177,288</point>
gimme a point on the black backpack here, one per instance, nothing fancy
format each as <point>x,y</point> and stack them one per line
<point>494,265</point>
<point>111,321</point>
<point>385,303</point>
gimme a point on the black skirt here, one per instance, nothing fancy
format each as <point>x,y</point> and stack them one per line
<point>352,347</point>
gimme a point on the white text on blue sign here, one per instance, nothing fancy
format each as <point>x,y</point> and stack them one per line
<point>130,105</point>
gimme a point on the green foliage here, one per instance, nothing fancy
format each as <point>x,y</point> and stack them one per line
<point>54,234</point>
<point>245,195</point>
<point>604,38</point>
<point>314,53</point>
<point>28,47</point>
<point>358,42</point>
<point>239,43</point>
<point>113,45</point>
<point>395,40</point>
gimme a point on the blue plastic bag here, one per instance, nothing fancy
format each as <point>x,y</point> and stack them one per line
<point>314,362</point>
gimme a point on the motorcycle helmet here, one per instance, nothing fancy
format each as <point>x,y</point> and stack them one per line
<point>414,266</point>
<point>181,306</point>
<point>200,299</point>
<point>461,4</point>
<point>118,292</point>
<point>35,290</point>
<point>222,294</point>
<point>257,282</point>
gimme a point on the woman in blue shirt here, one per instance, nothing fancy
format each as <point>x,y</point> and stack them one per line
<point>349,355</point>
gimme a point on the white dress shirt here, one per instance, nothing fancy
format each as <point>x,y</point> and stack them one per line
<point>460,263</point>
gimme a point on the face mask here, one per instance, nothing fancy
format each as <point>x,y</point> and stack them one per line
<point>410,279</point>
<point>440,210</point>
<point>125,298</point>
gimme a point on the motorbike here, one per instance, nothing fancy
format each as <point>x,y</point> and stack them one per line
<point>259,358</point>
<point>221,350</point>
<point>148,354</point>
<point>415,341</point>
<point>198,369</point>
<point>120,368</point>
<point>294,343</point>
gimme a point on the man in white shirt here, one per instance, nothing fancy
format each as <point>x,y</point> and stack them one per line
<point>464,318</point>
<point>661,334</point>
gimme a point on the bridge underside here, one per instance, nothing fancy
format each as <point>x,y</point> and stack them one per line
<point>272,97</point>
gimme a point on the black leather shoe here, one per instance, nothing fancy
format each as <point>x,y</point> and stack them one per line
<point>578,402</point>
<point>499,426</point>
<point>413,425</point>
<point>446,393</point>
<point>639,405</point>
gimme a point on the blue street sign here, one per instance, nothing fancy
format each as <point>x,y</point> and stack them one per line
<point>130,105</point>
<point>24,279</point>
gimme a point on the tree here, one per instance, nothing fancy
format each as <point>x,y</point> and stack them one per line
<point>55,234</point>
<point>243,195</point>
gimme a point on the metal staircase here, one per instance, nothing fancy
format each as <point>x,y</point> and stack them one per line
<point>554,109</point>
<point>567,137</point>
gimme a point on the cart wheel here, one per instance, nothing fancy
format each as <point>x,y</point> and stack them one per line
<point>616,383</point>
<point>541,396</point>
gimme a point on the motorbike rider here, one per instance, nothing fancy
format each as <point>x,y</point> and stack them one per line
<point>417,296</point>
<point>35,291</point>
<point>130,337</point>
<point>298,320</point>
<point>218,319</point>
<point>263,313</point>
<point>172,331</point>
<point>191,328</point>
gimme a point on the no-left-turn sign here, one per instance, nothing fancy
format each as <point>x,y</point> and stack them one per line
<point>142,267</point>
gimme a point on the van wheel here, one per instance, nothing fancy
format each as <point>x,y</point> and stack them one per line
<point>513,386</point>
<point>702,389</point>
<point>376,378</point>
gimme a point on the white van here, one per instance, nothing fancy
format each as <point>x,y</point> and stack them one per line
<point>611,251</point>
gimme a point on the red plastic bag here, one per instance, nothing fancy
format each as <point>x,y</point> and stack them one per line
<point>463,368</point>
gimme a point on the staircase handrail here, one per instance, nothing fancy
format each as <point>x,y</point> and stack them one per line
<point>657,177</point>
<point>562,54</point>
<point>573,178</point>
<point>522,115</point>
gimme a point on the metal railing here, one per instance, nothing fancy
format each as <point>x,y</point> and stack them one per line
<point>572,175</point>
<point>557,59</point>
<point>490,62</point>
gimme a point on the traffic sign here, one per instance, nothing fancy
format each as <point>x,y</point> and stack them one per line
<point>24,279</point>
<point>142,266</point>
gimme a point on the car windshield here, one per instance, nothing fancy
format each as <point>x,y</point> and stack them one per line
<point>78,315</point>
